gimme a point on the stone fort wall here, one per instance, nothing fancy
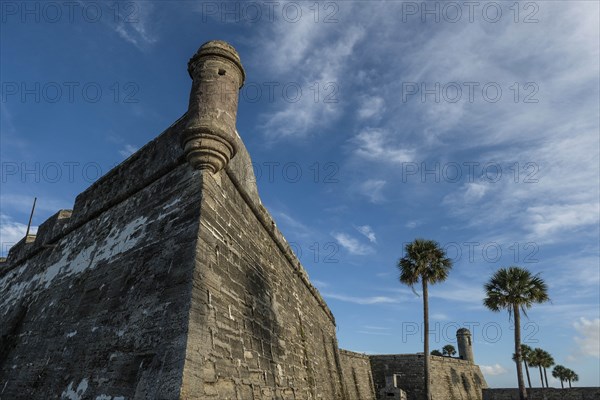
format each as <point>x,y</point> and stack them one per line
<point>357,375</point>
<point>97,303</point>
<point>258,328</point>
<point>582,393</point>
<point>451,378</point>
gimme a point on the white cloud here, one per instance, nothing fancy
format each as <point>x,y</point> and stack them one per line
<point>375,145</point>
<point>128,150</point>
<point>132,23</point>
<point>306,54</point>
<point>22,204</point>
<point>352,244</point>
<point>11,232</point>
<point>372,189</point>
<point>362,300</point>
<point>493,370</point>
<point>292,225</point>
<point>367,231</point>
<point>377,333</point>
<point>468,193</point>
<point>319,284</point>
<point>377,328</point>
<point>588,339</point>
<point>439,317</point>
<point>547,220</point>
<point>412,224</point>
<point>371,107</point>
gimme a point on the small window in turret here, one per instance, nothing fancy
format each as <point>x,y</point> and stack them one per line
<point>221,72</point>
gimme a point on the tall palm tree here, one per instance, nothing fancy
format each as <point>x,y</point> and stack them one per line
<point>448,350</point>
<point>424,261</point>
<point>547,362</point>
<point>571,376</point>
<point>515,289</point>
<point>525,354</point>
<point>536,359</point>
<point>559,373</point>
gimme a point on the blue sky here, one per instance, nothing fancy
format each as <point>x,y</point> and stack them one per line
<point>369,124</point>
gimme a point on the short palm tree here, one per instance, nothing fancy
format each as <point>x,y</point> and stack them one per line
<point>547,362</point>
<point>571,376</point>
<point>559,372</point>
<point>424,261</point>
<point>515,289</point>
<point>536,359</point>
<point>525,354</point>
<point>448,350</point>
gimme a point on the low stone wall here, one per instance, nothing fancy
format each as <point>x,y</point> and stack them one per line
<point>583,393</point>
<point>357,375</point>
<point>451,378</point>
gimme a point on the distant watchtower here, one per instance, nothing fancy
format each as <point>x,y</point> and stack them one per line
<point>465,344</point>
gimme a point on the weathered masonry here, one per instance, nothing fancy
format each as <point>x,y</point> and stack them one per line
<point>170,280</point>
<point>451,378</point>
<point>580,393</point>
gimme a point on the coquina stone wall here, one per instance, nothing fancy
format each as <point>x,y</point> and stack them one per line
<point>164,282</point>
<point>583,393</point>
<point>97,304</point>
<point>258,328</point>
<point>357,375</point>
<point>451,378</point>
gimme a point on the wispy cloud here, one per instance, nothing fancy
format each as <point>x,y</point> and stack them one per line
<point>373,190</point>
<point>22,204</point>
<point>353,245</point>
<point>363,300</point>
<point>320,284</point>
<point>375,145</point>
<point>371,107</point>
<point>377,333</point>
<point>297,228</point>
<point>127,150</point>
<point>493,370</point>
<point>132,23</point>
<point>588,337</point>
<point>11,232</point>
<point>412,224</point>
<point>367,231</point>
<point>439,317</point>
<point>306,53</point>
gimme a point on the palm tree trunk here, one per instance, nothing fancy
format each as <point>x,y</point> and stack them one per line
<point>570,384</point>
<point>546,377</point>
<point>522,391</point>
<point>426,340</point>
<point>541,376</point>
<point>527,371</point>
<point>562,385</point>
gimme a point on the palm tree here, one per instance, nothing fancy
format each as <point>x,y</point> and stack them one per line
<point>536,359</point>
<point>559,373</point>
<point>547,362</point>
<point>525,354</point>
<point>571,376</point>
<point>515,290</point>
<point>448,350</point>
<point>426,261</point>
